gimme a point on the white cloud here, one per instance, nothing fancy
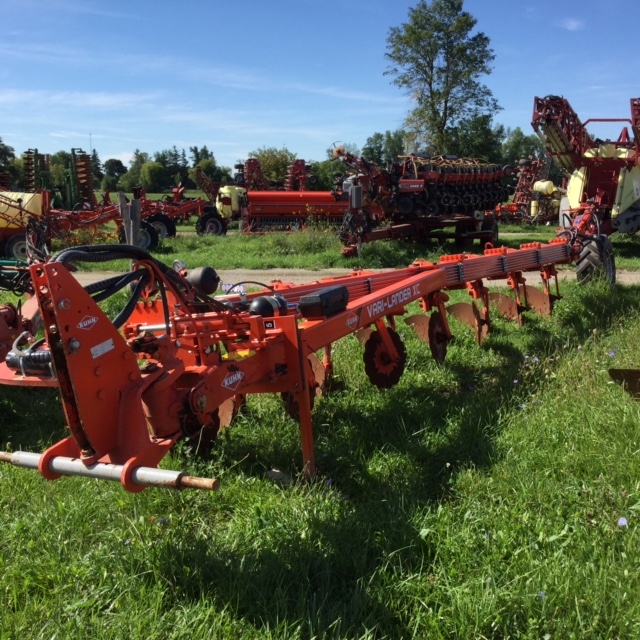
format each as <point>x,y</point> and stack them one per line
<point>571,24</point>
<point>84,99</point>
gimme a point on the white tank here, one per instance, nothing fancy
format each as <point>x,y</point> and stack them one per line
<point>546,187</point>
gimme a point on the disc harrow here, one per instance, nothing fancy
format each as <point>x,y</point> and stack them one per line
<point>177,362</point>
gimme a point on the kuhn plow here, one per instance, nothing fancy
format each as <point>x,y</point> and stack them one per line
<point>178,362</point>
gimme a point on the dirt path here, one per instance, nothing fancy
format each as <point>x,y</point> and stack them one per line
<point>299,276</point>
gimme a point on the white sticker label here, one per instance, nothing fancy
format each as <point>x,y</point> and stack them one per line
<point>102,348</point>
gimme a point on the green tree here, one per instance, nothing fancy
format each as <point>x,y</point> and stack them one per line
<point>436,59</point>
<point>16,169</point>
<point>394,145</point>
<point>476,138</point>
<point>383,148</point>
<point>7,154</point>
<point>197,155</point>
<point>131,178</point>
<point>274,162</point>
<point>373,149</point>
<point>8,162</point>
<point>153,176</point>
<point>114,168</point>
<point>175,164</point>
<point>96,167</point>
<point>517,145</point>
<point>327,173</point>
<point>211,170</point>
<point>59,164</point>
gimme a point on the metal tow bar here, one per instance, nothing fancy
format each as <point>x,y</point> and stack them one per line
<point>142,476</point>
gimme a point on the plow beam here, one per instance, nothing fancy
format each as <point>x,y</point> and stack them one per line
<point>140,476</point>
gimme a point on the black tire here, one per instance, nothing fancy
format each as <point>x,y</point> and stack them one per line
<point>405,205</point>
<point>596,260</point>
<point>211,223</point>
<point>148,236</point>
<point>433,209</point>
<point>163,224</point>
<point>16,247</point>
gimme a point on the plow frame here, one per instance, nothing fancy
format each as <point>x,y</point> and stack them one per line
<point>182,362</point>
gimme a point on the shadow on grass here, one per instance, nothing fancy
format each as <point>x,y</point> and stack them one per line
<point>394,456</point>
<point>626,247</point>
<point>30,417</point>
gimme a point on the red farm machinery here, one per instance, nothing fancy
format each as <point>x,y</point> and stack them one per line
<point>264,205</point>
<point>420,196</point>
<point>603,188</point>
<point>166,213</point>
<point>535,198</point>
<point>177,361</point>
<point>44,211</point>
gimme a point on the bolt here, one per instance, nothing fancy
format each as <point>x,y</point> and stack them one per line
<point>64,304</point>
<point>74,345</point>
<point>53,329</point>
<point>201,402</point>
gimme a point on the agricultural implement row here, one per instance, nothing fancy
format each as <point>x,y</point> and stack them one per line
<point>419,197</point>
<point>532,201</point>
<point>292,210</point>
<point>603,175</point>
<point>177,362</point>
<point>299,177</point>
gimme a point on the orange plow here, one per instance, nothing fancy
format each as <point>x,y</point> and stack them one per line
<point>177,361</point>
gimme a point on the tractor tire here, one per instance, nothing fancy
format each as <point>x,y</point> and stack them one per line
<point>163,224</point>
<point>16,247</point>
<point>405,205</point>
<point>596,260</point>
<point>148,236</point>
<point>211,223</point>
<point>507,171</point>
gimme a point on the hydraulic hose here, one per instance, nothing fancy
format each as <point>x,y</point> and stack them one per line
<point>29,361</point>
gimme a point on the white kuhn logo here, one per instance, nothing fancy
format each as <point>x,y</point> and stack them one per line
<point>87,322</point>
<point>232,380</point>
<point>352,320</point>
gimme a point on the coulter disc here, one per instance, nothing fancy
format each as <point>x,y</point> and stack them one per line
<point>382,371</point>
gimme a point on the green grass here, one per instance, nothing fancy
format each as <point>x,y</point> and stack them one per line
<point>477,499</point>
<point>319,248</point>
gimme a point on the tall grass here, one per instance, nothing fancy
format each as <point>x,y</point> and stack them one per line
<point>483,498</point>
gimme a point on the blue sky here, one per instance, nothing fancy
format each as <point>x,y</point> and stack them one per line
<point>243,74</point>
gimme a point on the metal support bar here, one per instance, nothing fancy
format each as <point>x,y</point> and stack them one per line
<point>142,476</point>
